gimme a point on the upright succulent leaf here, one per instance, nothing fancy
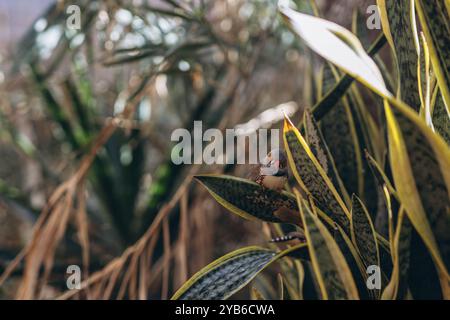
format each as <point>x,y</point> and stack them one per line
<point>441,116</point>
<point>425,78</point>
<point>354,261</point>
<point>250,200</point>
<point>396,21</point>
<point>363,233</point>
<point>379,174</point>
<point>401,244</point>
<point>311,176</point>
<point>320,149</point>
<point>334,278</point>
<point>435,21</point>
<point>339,131</point>
<point>364,238</point>
<point>420,162</point>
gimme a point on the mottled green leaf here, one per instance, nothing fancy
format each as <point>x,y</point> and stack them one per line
<point>331,270</point>
<point>312,178</point>
<point>320,149</point>
<point>250,200</point>
<point>363,233</point>
<point>300,270</point>
<point>396,20</point>
<point>425,78</point>
<point>435,21</point>
<point>331,95</point>
<point>420,162</point>
<point>441,116</point>
<point>359,28</point>
<point>339,132</point>
<point>353,260</point>
<point>379,174</point>
<point>225,276</point>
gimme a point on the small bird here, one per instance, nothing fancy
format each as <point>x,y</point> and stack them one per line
<point>272,173</point>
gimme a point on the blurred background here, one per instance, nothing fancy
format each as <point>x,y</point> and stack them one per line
<point>86,115</point>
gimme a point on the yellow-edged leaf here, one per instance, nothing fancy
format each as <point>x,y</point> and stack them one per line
<point>320,149</point>
<point>363,233</point>
<point>225,276</point>
<point>250,200</point>
<point>435,21</point>
<point>396,22</point>
<point>331,270</point>
<point>311,176</point>
<point>420,162</point>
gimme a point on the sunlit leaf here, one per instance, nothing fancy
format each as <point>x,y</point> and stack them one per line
<point>330,98</point>
<point>337,45</point>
